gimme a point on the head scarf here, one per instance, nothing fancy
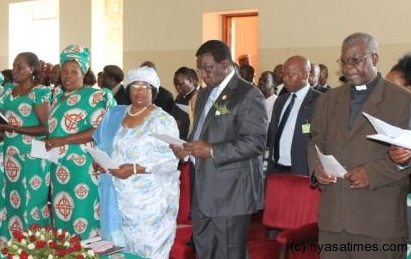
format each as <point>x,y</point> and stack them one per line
<point>77,53</point>
<point>144,74</point>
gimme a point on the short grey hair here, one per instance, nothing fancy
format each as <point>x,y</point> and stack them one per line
<point>371,42</point>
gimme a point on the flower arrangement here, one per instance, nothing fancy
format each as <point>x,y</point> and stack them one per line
<point>45,243</point>
<point>221,109</point>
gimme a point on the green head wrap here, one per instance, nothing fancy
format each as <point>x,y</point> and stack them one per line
<point>77,53</point>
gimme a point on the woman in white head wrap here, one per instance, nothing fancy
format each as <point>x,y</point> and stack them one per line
<point>139,201</point>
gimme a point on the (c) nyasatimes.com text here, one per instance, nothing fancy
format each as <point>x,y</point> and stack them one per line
<point>300,247</point>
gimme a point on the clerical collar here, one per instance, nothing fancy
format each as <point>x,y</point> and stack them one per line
<point>360,87</point>
<point>371,85</point>
<point>188,94</point>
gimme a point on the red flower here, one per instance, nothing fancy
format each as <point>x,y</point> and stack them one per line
<point>75,239</point>
<point>76,246</point>
<point>80,257</point>
<point>18,235</point>
<point>32,238</point>
<point>61,252</point>
<point>24,255</point>
<point>35,227</point>
<point>40,244</point>
<point>61,237</point>
<point>53,245</point>
<point>5,251</point>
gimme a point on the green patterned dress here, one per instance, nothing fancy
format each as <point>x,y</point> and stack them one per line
<point>75,199</point>
<point>26,179</point>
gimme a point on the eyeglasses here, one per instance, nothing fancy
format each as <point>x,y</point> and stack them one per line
<point>207,69</point>
<point>352,61</point>
<point>140,86</point>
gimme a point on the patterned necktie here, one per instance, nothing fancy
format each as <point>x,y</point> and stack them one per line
<point>211,98</point>
<point>281,128</point>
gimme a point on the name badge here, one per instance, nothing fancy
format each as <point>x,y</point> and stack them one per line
<point>306,128</point>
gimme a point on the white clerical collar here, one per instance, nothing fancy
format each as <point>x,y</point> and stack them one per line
<point>360,87</point>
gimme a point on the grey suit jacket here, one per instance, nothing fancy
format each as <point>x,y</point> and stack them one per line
<point>377,210</point>
<point>300,139</point>
<point>232,182</point>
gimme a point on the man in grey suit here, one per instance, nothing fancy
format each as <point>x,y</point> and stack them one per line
<point>227,143</point>
<point>367,207</point>
<point>288,146</point>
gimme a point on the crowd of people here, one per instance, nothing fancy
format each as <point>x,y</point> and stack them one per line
<point>230,125</point>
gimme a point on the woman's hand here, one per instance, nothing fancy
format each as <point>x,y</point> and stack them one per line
<point>7,127</point>
<point>98,169</point>
<point>179,151</point>
<point>123,172</point>
<point>127,170</point>
<point>54,142</point>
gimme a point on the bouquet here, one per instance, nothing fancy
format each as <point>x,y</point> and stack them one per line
<point>45,243</point>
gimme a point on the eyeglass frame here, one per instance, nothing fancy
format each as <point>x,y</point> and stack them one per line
<point>207,68</point>
<point>140,86</point>
<point>353,61</point>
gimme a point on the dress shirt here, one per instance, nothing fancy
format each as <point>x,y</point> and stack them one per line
<point>218,90</point>
<point>288,132</point>
<point>269,104</point>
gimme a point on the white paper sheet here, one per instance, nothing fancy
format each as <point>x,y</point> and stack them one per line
<point>183,107</point>
<point>388,133</point>
<point>167,138</point>
<point>330,164</point>
<point>38,150</point>
<point>101,158</point>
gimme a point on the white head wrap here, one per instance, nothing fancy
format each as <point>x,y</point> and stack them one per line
<point>144,74</point>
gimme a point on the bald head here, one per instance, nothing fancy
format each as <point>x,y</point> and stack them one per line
<point>296,71</point>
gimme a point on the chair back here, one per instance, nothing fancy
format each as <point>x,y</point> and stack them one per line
<point>290,201</point>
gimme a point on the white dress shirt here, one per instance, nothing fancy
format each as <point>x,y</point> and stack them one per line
<point>289,128</point>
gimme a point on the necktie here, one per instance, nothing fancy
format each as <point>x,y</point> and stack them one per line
<point>281,128</point>
<point>211,98</point>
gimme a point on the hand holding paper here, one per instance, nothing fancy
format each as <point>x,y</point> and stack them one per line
<point>38,150</point>
<point>101,158</point>
<point>330,164</point>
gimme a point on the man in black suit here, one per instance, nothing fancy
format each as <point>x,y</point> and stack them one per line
<point>289,129</point>
<point>111,78</point>
<point>164,98</point>
<point>227,141</point>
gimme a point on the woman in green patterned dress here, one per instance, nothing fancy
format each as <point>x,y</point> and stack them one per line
<point>74,116</point>
<point>27,179</point>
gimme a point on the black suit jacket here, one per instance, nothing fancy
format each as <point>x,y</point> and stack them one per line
<point>164,99</point>
<point>121,96</point>
<point>300,139</point>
